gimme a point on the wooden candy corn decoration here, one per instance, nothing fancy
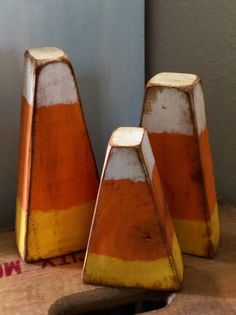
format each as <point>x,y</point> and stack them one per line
<point>132,241</point>
<point>174,116</point>
<point>57,181</point>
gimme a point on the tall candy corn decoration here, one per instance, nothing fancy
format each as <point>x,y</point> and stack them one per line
<point>57,181</point>
<point>132,241</point>
<point>174,116</point>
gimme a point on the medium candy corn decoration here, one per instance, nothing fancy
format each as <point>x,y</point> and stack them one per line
<point>57,180</point>
<point>132,241</point>
<point>174,115</point>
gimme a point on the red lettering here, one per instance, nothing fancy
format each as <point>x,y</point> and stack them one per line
<point>48,262</point>
<point>9,267</point>
<point>79,256</point>
<point>1,271</point>
<point>64,262</point>
<point>73,255</point>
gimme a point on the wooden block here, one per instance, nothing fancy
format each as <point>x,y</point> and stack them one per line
<point>132,241</point>
<point>174,115</point>
<point>57,181</point>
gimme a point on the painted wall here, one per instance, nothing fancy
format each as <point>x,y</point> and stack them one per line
<point>200,37</point>
<point>105,40</point>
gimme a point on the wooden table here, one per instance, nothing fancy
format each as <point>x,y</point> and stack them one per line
<point>33,289</point>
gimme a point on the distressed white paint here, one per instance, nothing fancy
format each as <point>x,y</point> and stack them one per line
<point>34,56</point>
<point>127,136</point>
<point>172,79</point>
<point>147,154</point>
<point>56,85</point>
<point>109,147</point>
<point>199,108</point>
<point>124,163</point>
<point>46,53</point>
<point>29,81</point>
<point>167,110</point>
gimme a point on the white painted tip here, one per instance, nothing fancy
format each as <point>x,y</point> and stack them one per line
<point>124,163</point>
<point>56,85</point>
<point>172,79</point>
<point>127,137</point>
<point>46,53</point>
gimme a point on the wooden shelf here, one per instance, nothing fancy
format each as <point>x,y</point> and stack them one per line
<point>30,289</point>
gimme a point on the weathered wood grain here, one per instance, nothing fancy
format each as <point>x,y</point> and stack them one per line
<point>209,285</point>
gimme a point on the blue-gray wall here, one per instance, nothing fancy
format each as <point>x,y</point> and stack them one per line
<point>105,40</point>
<point>199,36</point>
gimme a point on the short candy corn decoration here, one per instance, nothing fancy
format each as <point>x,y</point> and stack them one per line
<point>57,180</point>
<point>132,241</point>
<point>174,116</point>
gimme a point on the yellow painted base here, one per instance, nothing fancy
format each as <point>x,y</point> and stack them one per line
<point>177,259</point>
<point>154,275</point>
<point>54,233</point>
<point>214,227</point>
<point>193,236</point>
<point>21,223</point>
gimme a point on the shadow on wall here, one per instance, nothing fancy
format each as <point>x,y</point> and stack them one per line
<point>10,91</point>
<point>200,37</point>
<point>100,120</point>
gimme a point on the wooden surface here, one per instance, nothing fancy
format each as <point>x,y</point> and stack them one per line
<point>209,285</point>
